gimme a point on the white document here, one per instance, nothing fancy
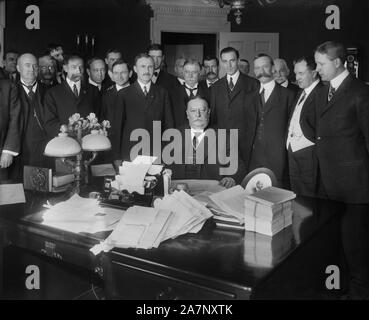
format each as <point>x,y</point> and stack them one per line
<point>144,160</point>
<point>232,201</point>
<point>155,169</point>
<point>12,193</point>
<point>198,186</point>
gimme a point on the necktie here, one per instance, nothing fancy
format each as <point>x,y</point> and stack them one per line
<point>303,95</point>
<point>331,92</point>
<point>191,91</point>
<point>231,84</point>
<point>145,91</point>
<point>262,97</point>
<point>194,144</point>
<point>75,90</point>
<point>30,93</point>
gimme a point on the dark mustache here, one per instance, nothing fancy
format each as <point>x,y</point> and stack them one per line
<point>264,74</point>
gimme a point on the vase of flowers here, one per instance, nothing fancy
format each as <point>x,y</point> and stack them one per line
<point>80,128</point>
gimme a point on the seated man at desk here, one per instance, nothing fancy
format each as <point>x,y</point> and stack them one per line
<point>205,150</point>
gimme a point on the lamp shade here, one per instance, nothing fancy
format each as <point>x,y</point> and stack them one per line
<point>95,142</point>
<point>62,146</point>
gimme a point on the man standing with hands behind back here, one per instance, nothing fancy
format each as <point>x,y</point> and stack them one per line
<point>342,147</point>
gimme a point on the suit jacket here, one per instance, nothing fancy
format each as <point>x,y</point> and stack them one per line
<point>303,163</point>
<point>10,117</point>
<point>6,75</point>
<point>294,88</point>
<point>179,99</point>
<point>272,147</point>
<point>139,111</point>
<point>61,103</point>
<point>227,107</point>
<point>208,170</point>
<point>342,143</point>
<point>205,89</point>
<point>166,80</point>
<point>112,111</point>
<point>34,136</point>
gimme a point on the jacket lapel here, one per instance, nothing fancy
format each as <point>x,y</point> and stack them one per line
<point>150,96</point>
<point>341,91</point>
<point>273,99</point>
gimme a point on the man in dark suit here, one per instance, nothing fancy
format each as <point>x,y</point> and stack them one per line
<point>69,97</point>
<point>47,71</point>
<point>211,67</point>
<point>31,92</point>
<point>203,154</point>
<point>112,55</point>
<point>161,77</point>
<point>281,73</point>
<point>180,94</point>
<point>111,110</point>
<point>10,127</point>
<point>96,74</point>
<point>244,66</point>
<point>143,103</point>
<point>227,94</point>
<point>301,131</point>
<point>10,66</point>
<point>266,120</point>
<point>342,147</point>
<point>178,69</point>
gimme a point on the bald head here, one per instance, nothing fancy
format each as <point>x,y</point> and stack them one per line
<point>27,67</point>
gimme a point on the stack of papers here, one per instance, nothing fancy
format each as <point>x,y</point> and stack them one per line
<point>229,206</point>
<point>265,251</point>
<point>269,211</point>
<point>145,228</point>
<point>132,174</point>
<point>81,215</point>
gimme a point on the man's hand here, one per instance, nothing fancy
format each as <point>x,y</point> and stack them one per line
<point>227,182</point>
<point>6,160</point>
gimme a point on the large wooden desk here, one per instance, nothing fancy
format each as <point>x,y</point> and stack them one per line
<point>213,264</point>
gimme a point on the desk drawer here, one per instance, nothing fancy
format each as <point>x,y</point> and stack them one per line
<point>130,282</point>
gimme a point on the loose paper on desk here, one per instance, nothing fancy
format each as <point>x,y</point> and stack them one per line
<point>232,201</point>
<point>140,227</point>
<point>131,177</point>
<point>81,215</point>
<point>12,193</point>
<point>146,228</point>
<point>154,168</point>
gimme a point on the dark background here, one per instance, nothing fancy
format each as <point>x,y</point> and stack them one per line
<point>125,24</point>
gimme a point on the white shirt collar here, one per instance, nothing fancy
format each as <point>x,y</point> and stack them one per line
<point>311,87</point>
<point>72,83</point>
<point>268,89</point>
<point>26,89</point>
<point>199,137</point>
<point>118,87</point>
<point>142,85</point>
<point>285,84</point>
<point>336,82</point>
<point>208,83</point>
<point>234,77</point>
<point>94,83</point>
<point>181,81</point>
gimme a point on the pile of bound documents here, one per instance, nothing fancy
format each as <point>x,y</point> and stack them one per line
<point>265,251</point>
<point>145,228</point>
<point>269,211</point>
<point>81,215</point>
<point>229,207</point>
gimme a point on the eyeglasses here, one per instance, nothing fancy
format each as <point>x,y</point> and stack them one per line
<point>44,68</point>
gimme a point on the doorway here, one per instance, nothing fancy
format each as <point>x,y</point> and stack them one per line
<point>188,46</point>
